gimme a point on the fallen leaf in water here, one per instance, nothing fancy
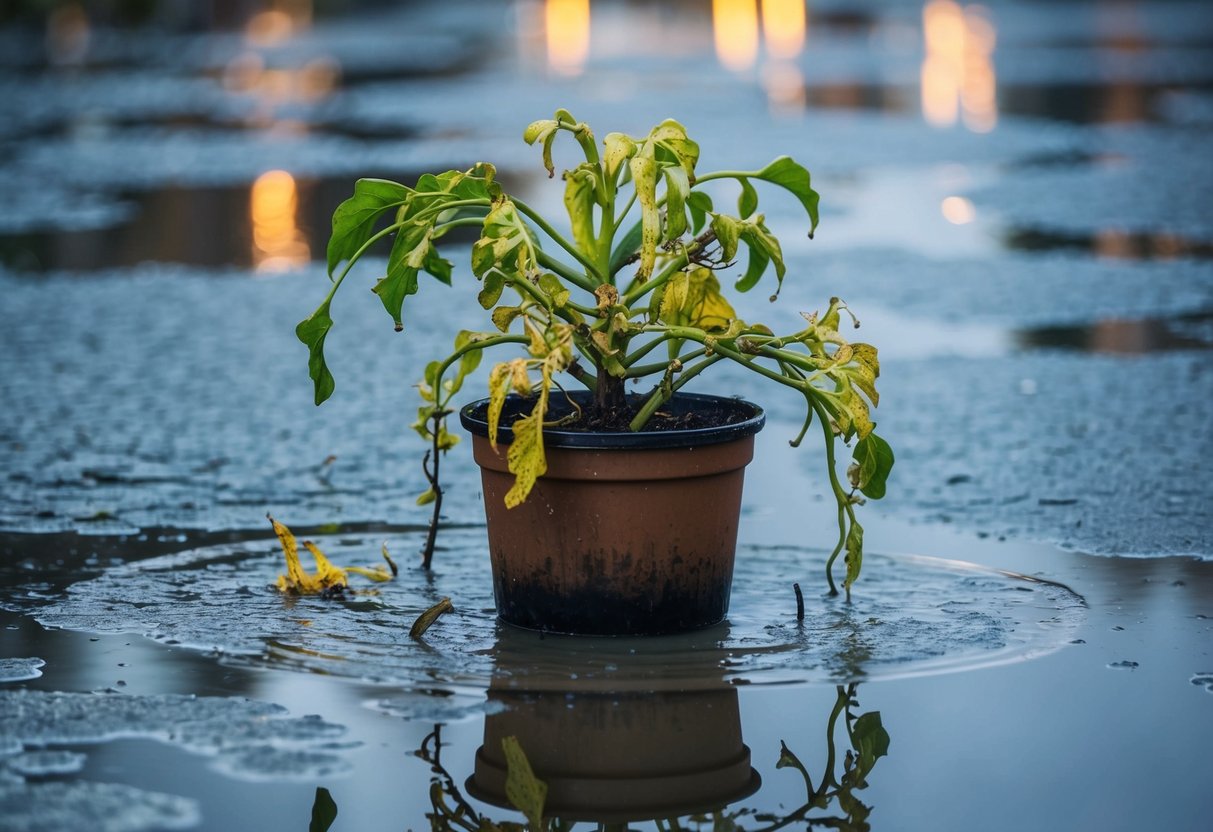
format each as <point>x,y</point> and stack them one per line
<point>428,617</point>
<point>329,579</point>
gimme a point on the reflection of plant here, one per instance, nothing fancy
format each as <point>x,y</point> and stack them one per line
<point>451,812</point>
<point>868,739</point>
<point>869,742</point>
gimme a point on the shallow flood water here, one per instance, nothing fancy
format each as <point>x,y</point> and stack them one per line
<point>1015,202</point>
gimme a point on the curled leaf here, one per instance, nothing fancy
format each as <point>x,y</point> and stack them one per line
<point>297,580</point>
<point>427,618</point>
<point>644,177</point>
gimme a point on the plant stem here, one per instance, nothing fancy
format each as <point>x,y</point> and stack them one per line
<point>657,399</point>
<point>590,266</point>
<point>839,493</point>
<point>349,264</point>
<point>435,453</point>
<point>549,262</point>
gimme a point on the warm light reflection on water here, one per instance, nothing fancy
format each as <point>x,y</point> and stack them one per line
<point>783,27</point>
<point>958,79</point>
<point>278,244</point>
<point>735,26</point>
<point>567,27</point>
<point>279,22</point>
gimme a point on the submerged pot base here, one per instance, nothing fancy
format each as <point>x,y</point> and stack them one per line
<point>618,540</point>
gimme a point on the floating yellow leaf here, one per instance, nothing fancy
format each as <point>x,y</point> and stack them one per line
<point>328,576</point>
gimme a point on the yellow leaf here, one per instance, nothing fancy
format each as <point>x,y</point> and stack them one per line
<point>674,301</point>
<point>526,459</point>
<point>644,177</point>
<point>378,574</point>
<point>705,306</point>
<point>297,581</point>
<point>519,380</point>
<point>523,789</point>
<point>499,386</point>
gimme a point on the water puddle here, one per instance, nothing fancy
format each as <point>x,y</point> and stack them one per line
<point>219,600</point>
<point>1125,337</point>
<point>1115,244</point>
<point>273,224</point>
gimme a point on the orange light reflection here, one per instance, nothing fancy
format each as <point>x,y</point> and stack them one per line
<point>567,24</point>
<point>735,26</point>
<point>958,72</point>
<point>783,27</point>
<point>278,244</point>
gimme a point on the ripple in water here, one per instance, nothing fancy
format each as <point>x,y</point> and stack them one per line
<point>910,616</point>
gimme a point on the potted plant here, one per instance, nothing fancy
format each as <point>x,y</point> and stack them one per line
<point>611,499</point>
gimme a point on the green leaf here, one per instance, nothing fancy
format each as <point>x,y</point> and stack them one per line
<point>503,316</point>
<point>728,231</point>
<point>552,286</point>
<point>324,811</point>
<point>523,789</point>
<point>757,265</point>
<point>672,145</point>
<point>854,557</point>
<point>428,497</point>
<point>700,205</point>
<point>312,331</point>
<point>494,284</point>
<point>469,361</point>
<point>676,190</point>
<point>764,249</point>
<point>579,202</point>
<point>618,148</point>
<point>354,219</point>
<point>871,741</point>
<point>747,203</point>
<point>438,266</point>
<point>410,252</point>
<point>875,459</point>
<point>543,130</point>
<point>787,174</point>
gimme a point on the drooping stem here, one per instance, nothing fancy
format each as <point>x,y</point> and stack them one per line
<point>590,266</point>
<point>839,493</point>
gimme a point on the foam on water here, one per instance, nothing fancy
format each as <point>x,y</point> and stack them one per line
<point>247,738</point>
<point>20,670</point>
<point>99,807</point>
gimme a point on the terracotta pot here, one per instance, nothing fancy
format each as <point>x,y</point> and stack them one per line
<point>620,757</point>
<point>626,533</point>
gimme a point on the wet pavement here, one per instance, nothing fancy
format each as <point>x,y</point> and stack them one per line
<point>1025,233</point>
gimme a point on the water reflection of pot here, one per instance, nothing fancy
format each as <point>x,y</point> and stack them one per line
<point>617,757</point>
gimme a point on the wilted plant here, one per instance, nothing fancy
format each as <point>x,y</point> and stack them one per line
<point>597,307</point>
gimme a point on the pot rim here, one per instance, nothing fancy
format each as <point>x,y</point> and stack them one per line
<point>753,420</point>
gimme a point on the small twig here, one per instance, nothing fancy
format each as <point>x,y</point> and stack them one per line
<point>799,602</point>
